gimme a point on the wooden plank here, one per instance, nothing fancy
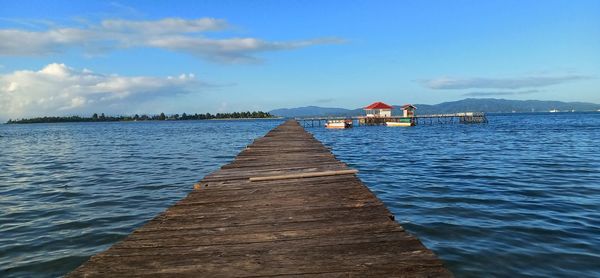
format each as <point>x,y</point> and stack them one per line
<point>284,207</point>
<point>304,175</point>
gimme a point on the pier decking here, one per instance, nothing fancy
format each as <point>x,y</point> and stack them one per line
<point>284,207</point>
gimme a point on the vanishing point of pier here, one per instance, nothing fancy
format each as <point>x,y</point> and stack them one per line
<point>284,207</point>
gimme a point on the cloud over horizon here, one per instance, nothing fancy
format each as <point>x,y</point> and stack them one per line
<point>449,83</point>
<point>58,89</point>
<point>175,34</point>
<point>502,93</point>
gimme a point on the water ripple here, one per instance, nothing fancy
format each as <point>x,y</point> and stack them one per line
<point>519,197</point>
<point>68,191</point>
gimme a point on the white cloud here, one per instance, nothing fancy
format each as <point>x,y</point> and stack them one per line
<point>59,90</point>
<point>184,35</point>
<point>164,26</point>
<point>501,93</point>
<point>449,83</point>
<point>232,50</point>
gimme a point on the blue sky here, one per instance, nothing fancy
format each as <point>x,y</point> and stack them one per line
<point>124,57</point>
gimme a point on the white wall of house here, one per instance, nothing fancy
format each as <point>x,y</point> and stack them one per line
<point>408,112</point>
<point>379,113</point>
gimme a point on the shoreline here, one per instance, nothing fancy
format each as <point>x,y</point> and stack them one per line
<point>128,121</point>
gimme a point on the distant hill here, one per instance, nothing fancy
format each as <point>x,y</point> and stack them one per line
<point>489,105</point>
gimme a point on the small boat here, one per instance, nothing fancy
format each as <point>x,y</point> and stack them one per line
<point>339,124</point>
<point>401,122</point>
<point>554,111</point>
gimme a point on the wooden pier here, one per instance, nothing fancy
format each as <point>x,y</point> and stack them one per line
<point>284,207</point>
<point>462,118</point>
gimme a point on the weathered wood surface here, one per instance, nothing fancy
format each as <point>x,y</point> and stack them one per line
<point>327,226</point>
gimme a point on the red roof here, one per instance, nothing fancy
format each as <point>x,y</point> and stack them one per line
<point>379,105</point>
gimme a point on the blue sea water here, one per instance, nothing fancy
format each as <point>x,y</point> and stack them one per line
<point>68,191</point>
<point>519,196</point>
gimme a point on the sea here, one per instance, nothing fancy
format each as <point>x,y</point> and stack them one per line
<point>516,197</point>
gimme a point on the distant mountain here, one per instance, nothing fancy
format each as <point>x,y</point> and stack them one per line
<point>492,105</point>
<point>489,105</point>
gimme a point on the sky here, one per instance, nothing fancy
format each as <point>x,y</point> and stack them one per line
<point>127,57</point>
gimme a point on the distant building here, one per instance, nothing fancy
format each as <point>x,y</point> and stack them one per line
<point>379,109</point>
<point>408,110</point>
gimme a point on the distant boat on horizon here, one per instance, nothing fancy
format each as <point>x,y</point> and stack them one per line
<point>554,111</point>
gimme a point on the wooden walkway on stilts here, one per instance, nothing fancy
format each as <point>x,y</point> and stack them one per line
<point>455,118</point>
<point>284,207</point>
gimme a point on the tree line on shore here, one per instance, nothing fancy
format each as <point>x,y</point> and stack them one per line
<point>136,117</point>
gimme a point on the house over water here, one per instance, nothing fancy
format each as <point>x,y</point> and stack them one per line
<point>408,110</point>
<point>379,109</point>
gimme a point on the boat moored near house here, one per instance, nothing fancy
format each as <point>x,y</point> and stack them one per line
<point>407,119</point>
<point>400,122</point>
<point>339,124</point>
